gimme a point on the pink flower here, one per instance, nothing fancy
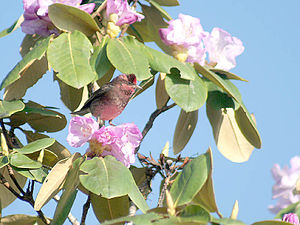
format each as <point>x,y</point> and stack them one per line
<point>185,35</point>
<point>125,14</point>
<point>291,218</point>
<point>223,48</point>
<point>81,130</point>
<point>285,179</point>
<point>36,20</point>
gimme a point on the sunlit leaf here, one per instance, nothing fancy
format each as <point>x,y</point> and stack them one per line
<point>167,2</point>
<point>13,27</point>
<point>189,95</point>
<point>21,219</point>
<point>161,95</point>
<point>54,181</point>
<point>273,222</point>
<point>190,181</point>
<point>227,134</point>
<point>9,108</point>
<point>39,174</point>
<point>227,74</point>
<point>36,145</point>
<point>145,219</point>
<point>108,209</point>
<point>70,190</point>
<point>69,18</point>
<point>184,130</point>
<point>69,55</point>
<point>127,57</point>
<point>37,52</point>
<point>21,161</point>
<point>110,178</point>
<point>195,213</point>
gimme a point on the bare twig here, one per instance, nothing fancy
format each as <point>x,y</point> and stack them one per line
<point>12,176</point>
<point>150,122</point>
<point>86,207</point>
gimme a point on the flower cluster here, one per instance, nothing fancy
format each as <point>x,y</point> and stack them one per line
<point>118,13</point>
<point>36,19</point>
<point>291,218</point>
<point>283,189</point>
<point>190,43</point>
<point>118,141</point>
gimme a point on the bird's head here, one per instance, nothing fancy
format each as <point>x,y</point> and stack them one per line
<point>128,80</point>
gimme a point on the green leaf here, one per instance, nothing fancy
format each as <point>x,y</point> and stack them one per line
<point>70,190</point>
<point>21,161</point>
<point>184,130</point>
<point>225,84</point>
<point>247,126</point>
<point>127,57</point>
<point>269,222</point>
<point>108,209</point>
<point>99,60</point>
<point>227,74</point>
<point>39,174</point>
<point>160,9</point>
<point>3,161</point>
<point>69,55</point>
<point>190,181</point>
<point>219,100</point>
<point>227,134</point>
<point>229,221</point>
<point>32,107</point>
<point>9,108</point>
<point>167,2</point>
<point>69,18</point>
<point>206,196</point>
<point>161,95</point>
<point>24,172</point>
<point>195,213</point>
<point>13,27</point>
<point>37,52</point>
<point>290,209</point>
<point>36,145</point>
<point>145,219</point>
<point>164,63</point>
<point>21,219</point>
<point>189,95</point>
<point>110,178</point>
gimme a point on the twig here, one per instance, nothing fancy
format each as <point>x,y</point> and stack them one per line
<point>4,131</point>
<point>12,176</point>
<point>149,124</point>
<point>86,207</point>
<point>73,220</point>
<point>101,7</point>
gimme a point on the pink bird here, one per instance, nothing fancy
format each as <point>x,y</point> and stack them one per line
<point>110,100</point>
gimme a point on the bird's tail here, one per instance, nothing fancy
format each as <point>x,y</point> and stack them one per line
<point>81,112</point>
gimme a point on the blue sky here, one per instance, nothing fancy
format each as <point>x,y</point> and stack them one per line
<point>270,33</point>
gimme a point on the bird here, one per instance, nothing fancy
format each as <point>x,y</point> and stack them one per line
<point>110,100</point>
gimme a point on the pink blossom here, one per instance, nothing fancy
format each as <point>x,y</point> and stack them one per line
<point>291,218</point>
<point>81,130</point>
<point>285,179</point>
<point>223,48</point>
<point>185,35</point>
<point>36,19</point>
<point>125,14</point>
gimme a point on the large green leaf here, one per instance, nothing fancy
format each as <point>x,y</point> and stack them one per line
<point>69,55</point>
<point>36,145</point>
<point>99,60</point>
<point>195,213</point>
<point>37,52</point>
<point>184,130</point>
<point>227,134</point>
<point>164,63</point>
<point>21,161</point>
<point>126,56</point>
<point>190,181</point>
<point>293,208</point>
<point>13,27</point>
<point>70,190</point>
<point>227,74</point>
<point>247,126</point>
<point>167,2</point>
<point>21,219</point>
<point>9,108</point>
<point>69,18</point>
<point>189,95</point>
<point>160,9</point>
<point>110,178</point>
<point>108,209</point>
<point>269,222</point>
<point>229,221</point>
<point>225,84</point>
<point>39,174</point>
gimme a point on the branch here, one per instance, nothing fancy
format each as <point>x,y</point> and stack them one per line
<point>150,122</point>
<point>101,7</point>
<point>86,207</point>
